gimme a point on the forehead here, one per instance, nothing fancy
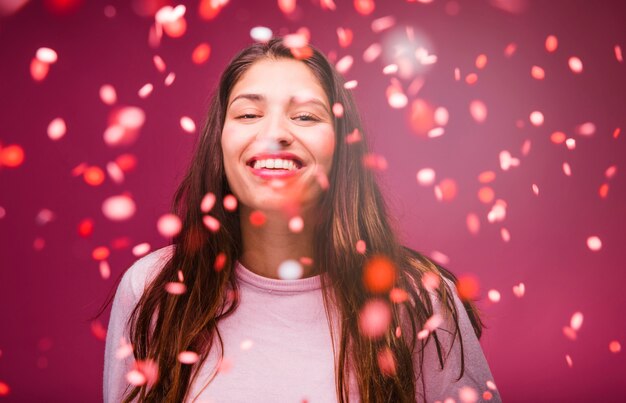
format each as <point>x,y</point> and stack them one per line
<point>279,79</point>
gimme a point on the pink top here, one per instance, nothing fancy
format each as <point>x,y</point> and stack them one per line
<point>278,347</point>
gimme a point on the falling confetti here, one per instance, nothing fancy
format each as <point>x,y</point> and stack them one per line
<point>519,290</point>
<point>361,246</point>
<point>187,124</point>
<point>374,318</point>
<point>118,208</point>
<point>379,274</point>
<point>169,225</point>
<point>261,34</point>
<point>426,176</point>
<point>575,64</point>
<point>552,43</point>
<point>615,347</point>
<point>386,362</point>
<point>11,156</point>
<point>188,357</point>
<point>207,203</point>
<point>478,110</point>
<point>141,249</point>
<point>536,118</point>
<point>594,243</point>
<point>257,218</point>
<point>290,270</point>
<point>493,295</point>
<point>175,288</point>
<point>211,223</point>
<point>537,73</point>
<point>230,203</point>
<point>201,53</point>
<point>364,7</point>
<point>467,287</point>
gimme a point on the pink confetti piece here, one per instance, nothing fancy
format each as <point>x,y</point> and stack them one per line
<point>344,64</point>
<point>535,189</point>
<point>211,223</point>
<point>426,176</point>
<point>169,225</point>
<point>390,69</point>
<point>39,244</point>
<point>536,118</point>
<point>207,203</point>
<point>141,249</point>
<point>372,52</point>
<point>473,223</point>
<point>436,132</point>
<point>383,23</point>
<point>497,212</point>
<point>124,350</point>
<point>552,43</point>
<point>201,53</point>
<point>576,321</point>
<point>100,253</point>
<point>361,246</point>
<point>440,257</point>
<point>615,347</point>
<point>287,7</point>
<point>481,61</point>
<point>570,144</point>
<point>261,34</point>
<point>56,129</point>
<point>431,281</point>
<point>467,394</point>
<point>246,345</point>
<point>46,55</point>
<point>109,11</point>
<point>115,172</point>
<point>505,234</point>
<point>610,171</point>
<point>568,359</point>
<point>305,260</point>
<point>187,124</point>
<point>175,288</point>
<point>586,129</point>
<point>507,161</point>
<point>616,132</point>
<point>38,69</point>
<point>98,330</point>
<point>338,110</point>
<point>471,78</point>
<point>441,116</point>
<point>396,97</point>
<point>618,53</point>
<point>575,64</point>
<point>457,74</point>
<point>105,269</point>
<point>135,378</point>
<point>537,73</point>
<point>210,9</point>
<point>557,137</point>
<point>159,64</point>
<point>567,170</point>
<point>375,162</point>
<point>118,208</point>
<point>188,357</point>
<point>44,216</point>
<point>433,322</point>
<point>398,295</point>
<point>446,190</point>
<point>3,212</point>
<point>364,7</point>
<point>510,49</point>
<point>181,278</point>
<point>172,20</point>
<point>290,270</point>
<point>350,85</point>
<point>422,334</point>
<point>491,385</point>
<point>93,176</point>
<point>374,318</point>
<point>296,224</point>
<point>124,126</point>
<point>478,110</point>
<point>425,58</point>
<point>296,41</point>
<point>145,90</point>
<point>486,194</point>
<point>108,95</point>
<point>519,290</point>
<point>569,333</point>
<point>230,203</point>
<point>594,243</point>
<point>344,36</point>
<point>386,362</point>
<point>353,137</point>
<point>494,296</point>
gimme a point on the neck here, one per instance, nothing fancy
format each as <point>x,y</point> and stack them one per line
<point>265,247</point>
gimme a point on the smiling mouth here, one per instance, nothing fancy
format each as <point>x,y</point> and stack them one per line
<point>275,164</point>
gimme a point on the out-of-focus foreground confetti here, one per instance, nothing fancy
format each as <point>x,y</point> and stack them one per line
<point>497,135</point>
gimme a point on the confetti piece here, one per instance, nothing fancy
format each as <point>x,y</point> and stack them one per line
<point>3,214</point>
<point>375,162</point>
<point>135,378</point>
<point>486,194</point>
<point>145,90</point>
<point>115,172</point>
<point>568,359</point>
<point>372,52</point>
<point>440,257</point>
<point>491,385</point>
<point>290,270</point>
<point>364,7</point>
<point>497,212</point>
<point>487,395</point>
<point>118,208</point>
<point>295,41</point>
<point>207,203</point>
<point>383,23</point>
<point>374,318</point>
<point>552,43</point>
<point>338,110</point>
<point>159,63</point>
<point>575,64</point>
<point>507,161</point>
<point>361,246</point>
<point>345,36</point>
<point>172,20</point>
<point>261,34</point>
<point>576,321</point>
<point>586,129</point>
<point>610,171</point>
<point>537,73</point>
<point>353,137</point>
<point>457,74</point>
<point>505,234</point>
<point>618,53</point>
<point>220,261</point>
<point>510,49</point>
<point>100,253</point>
<point>124,125</point>
<point>230,202</point>
<point>85,227</point>
<point>187,124</point>
<point>557,137</point>
<point>567,170</point>
<point>44,216</point>
<point>379,274</point>
<point>431,281</point>
<point>478,110</point>
<point>175,288</point>
<point>467,394</point>
<point>390,69</point>
<point>519,290</point>
<point>481,61</point>
<point>536,118</point>
<point>441,116</point>
<point>201,53</point>
<point>257,218</point>
<point>296,224</point>
<point>398,295</point>
<point>93,176</point>
<point>141,249</point>
<point>615,347</point>
<point>486,176</point>
<point>446,190</point>
<point>569,333</point>
<point>188,357</point>
<point>11,156</point>
<point>126,162</point>
<point>396,98</point>
<point>386,362</point>
<point>570,144</point>
<point>211,223</point>
<point>209,9</point>
<point>108,95</point>
<point>350,85</point>
<point>433,322</point>
<point>287,6</point>
<point>344,64</point>
<point>493,295</point>
<point>38,69</point>
<point>535,189</point>
<point>473,223</point>
<point>246,344</point>
<point>39,244</point>
<point>105,269</point>
<point>426,176</point>
<point>124,350</point>
<point>471,78</point>
<point>604,190</point>
<point>46,55</point>
<point>594,243</point>
<point>169,225</point>
<point>467,287</point>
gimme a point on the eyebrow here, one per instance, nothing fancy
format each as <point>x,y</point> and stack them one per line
<point>292,100</point>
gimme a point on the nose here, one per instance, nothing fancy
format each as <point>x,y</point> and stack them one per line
<point>276,130</point>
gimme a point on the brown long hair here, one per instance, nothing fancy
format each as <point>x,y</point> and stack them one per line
<point>352,209</point>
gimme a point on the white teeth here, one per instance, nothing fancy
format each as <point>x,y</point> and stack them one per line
<point>275,163</point>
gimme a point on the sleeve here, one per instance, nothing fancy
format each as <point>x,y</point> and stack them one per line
<point>118,355</point>
<point>440,384</point>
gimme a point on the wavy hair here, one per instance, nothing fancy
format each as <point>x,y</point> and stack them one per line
<point>352,209</point>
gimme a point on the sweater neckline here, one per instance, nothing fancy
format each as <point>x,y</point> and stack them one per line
<point>271,284</point>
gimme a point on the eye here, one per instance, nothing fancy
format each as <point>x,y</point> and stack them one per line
<point>306,117</point>
<point>247,116</point>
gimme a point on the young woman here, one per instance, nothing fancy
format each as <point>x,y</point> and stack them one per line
<point>286,282</point>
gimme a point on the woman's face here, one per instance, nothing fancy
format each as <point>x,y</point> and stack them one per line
<point>278,137</point>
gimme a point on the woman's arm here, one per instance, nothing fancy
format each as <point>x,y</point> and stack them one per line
<point>437,384</point>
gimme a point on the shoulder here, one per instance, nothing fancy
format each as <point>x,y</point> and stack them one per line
<point>144,270</point>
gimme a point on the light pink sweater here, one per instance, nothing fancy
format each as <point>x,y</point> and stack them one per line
<point>278,347</point>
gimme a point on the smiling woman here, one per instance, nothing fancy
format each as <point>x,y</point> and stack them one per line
<point>286,281</point>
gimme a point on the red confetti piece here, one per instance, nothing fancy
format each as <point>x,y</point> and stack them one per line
<point>610,171</point>
<point>209,9</point>
<point>615,347</point>
<point>11,156</point>
<point>207,203</point>
<point>487,395</point>
<point>467,287</point>
<point>296,224</point>
<point>287,6</point>
<point>98,330</point>
<point>375,162</point>
<point>118,208</point>
<point>478,110</point>
<point>100,253</point>
<point>569,333</point>
<point>305,260</point>
<point>471,78</point>
<point>486,177</point>
<point>486,194</point>
<point>552,43</point>
<point>446,190</point>
<point>353,137</point>
<point>383,23</point>
<point>175,288</point>
<point>105,269</point>
<point>379,274</point>
<point>398,295</point>
<point>594,243</point>
<point>85,227</point>
<point>188,357</point>
<point>93,176</point>
<point>618,53</point>
<point>220,261</point>
<point>604,190</point>
<point>575,64</point>
<point>364,7</point>
<point>345,36</point>
<point>211,223</point>
<point>201,53</point>
<point>519,290</point>
<point>38,69</point>
<point>481,61</point>
<point>537,73</point>
<point>39,244</point>
<point>557,137</point>
<point>386,362</point>
<point>374,318</point>
<point>510,49</point>
<point>257,218</point>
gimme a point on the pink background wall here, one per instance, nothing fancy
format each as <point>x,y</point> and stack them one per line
<point>50,285</point>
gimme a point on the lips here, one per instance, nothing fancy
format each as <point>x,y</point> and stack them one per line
<point>275,165</point>
<point>280,156</point>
